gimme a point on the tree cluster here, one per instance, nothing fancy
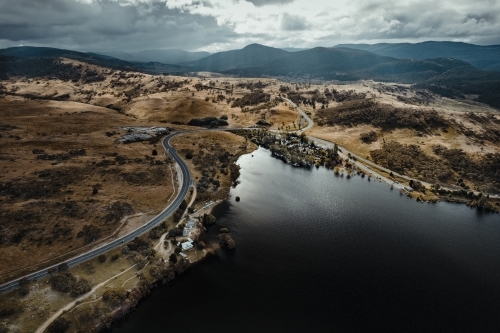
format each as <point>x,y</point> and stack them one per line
<point>369,112</point>
<point>368,137</point>
<point>410,159</point>
<point>253,98</point>
<point>66,282</point>
<point>483,171</point>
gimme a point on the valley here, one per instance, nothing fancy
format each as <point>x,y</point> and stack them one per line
<point>83,162</point>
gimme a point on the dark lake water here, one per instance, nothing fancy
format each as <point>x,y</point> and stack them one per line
<point>319,253</point>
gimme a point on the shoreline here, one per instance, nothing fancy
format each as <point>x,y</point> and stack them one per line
<point>302,151</point>
<point>142,287</point>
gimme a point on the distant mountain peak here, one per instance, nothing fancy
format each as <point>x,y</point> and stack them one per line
<point>257,46</point>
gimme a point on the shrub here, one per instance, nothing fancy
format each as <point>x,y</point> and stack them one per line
<point>24,287</point>
<point>368,137</point>
<point>63,267</point>
<point>115,296</point>
<point>89,233</point>
<point>60,325</point>
<point>10,308</point>
<point>80,287</point>
<point>62,282</point>
<point>102,258</point>
<point>208,219</point>
<point>172,258</point>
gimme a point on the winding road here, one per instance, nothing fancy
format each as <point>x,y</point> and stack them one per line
<point>183,191</point>
<point>310,123</point>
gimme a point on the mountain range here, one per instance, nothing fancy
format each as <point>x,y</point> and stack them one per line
<point>482,57</point>
<point>171,56</point>
<point>441,73</point>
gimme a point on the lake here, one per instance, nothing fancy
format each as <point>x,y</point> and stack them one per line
<point>320,253</point>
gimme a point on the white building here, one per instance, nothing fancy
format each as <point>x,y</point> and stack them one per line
<point>186,246</point>
<point>190,224</point>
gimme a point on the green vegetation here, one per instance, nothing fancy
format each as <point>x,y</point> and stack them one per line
<point>482,171</point>
<point>369,137</point>
<point>115,296</point>
<point>208,219</point>
<point>367,111</point>
<point>208,122</point>
<point>410,160</point>
<point>60,325</point>
<point>253,98</point>
<point>65,282</point>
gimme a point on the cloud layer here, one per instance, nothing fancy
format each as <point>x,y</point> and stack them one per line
<point>213,25</point>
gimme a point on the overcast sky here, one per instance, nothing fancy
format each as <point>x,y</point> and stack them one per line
<point>217,25</point>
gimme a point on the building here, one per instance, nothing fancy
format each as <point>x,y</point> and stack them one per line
<point>185,232</point>
<point>190,224</point>
<point>186,246</point>
<point>408,188</point>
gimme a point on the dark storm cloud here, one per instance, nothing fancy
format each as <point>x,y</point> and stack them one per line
<point>131,25</point>
<point>422,20</point>
<point>107,25</point>
<point>293,22</point>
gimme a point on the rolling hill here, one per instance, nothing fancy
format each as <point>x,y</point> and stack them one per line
<point>349,65</point>
<point>443,75</point>
<point>161,56</point>
<point>31,52</point>
<point>482,57</point>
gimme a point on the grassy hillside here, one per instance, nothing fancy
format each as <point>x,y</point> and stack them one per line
<point>28,52</point>
<point>161,56</point>
<point>348,65</point>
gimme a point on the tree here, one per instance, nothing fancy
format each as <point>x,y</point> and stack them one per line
<point>63,267</point>
<point>62,282</point>
<point>208,219</point>
<point>115,296</point>
<point>154,152</point>
<point>60,325</point>
<point>89,233</point>
<point>80,287</point>
<point>172,258</point>
<point>24,287</point>
<point>101,258</point>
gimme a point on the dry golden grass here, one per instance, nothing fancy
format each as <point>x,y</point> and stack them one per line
<point>81,122</point>
<point>209,141</point>
<point>41,125</point>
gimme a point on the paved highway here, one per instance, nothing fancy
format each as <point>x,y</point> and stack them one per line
<point>186,182</point>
